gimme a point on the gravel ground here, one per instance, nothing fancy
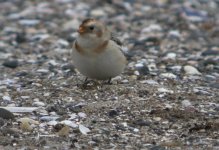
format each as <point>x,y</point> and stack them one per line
<point>167,97</point>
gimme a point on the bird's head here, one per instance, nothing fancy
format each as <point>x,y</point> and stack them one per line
<point>92,28</point>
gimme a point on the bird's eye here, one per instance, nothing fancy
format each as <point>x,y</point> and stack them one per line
<point>91,28</point>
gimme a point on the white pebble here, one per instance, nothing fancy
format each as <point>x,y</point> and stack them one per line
<point>84,130</point>
<point>69,123</point>
<point>186,103</point>
<point>191,70</point>
<point>52,123</point>
<point>171,56</point>
<point>82,115</point>
<point>98,13</point>
<point>38,104</point>
<point>6,98</point>
<point>168,75</point>
<point>163,90</point>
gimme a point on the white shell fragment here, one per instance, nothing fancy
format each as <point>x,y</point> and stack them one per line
<point>69,123</point>
<point>84,130</point>
<point>20,109</point>
<point>190,70</point>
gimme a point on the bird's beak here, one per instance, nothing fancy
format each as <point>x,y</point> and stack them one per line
<point>81,30</point>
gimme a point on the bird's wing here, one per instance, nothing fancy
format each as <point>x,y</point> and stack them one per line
<point>115,38</point>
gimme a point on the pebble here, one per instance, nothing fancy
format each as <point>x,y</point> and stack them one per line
<point>174,33</point>
<point>152,27</point>
<point>157,119</point>
<point>48,118</point>
<point>186,103</point>
<point>82,115</point>
<point>84,130</point>
<point>171,56</point>
<point>141,122</point>
<point>52,123</point>
<point>210,52</point>
<point>5,114</point>
<point>11,64</point>
<point>40,37</point>
<point>175,68</point>
<point>190,70</point>
<point>143,70</point>
<point>43,70</point>
<point>6,98</point>
<point>29,22</point>
<point>97,13</point>
<point>168,75</point>
<point>71,25</point>
<point>38,104</point>
<point>125,81</point>
<point>69,123</point>
<point>163,90</point>
<point>150,82</point>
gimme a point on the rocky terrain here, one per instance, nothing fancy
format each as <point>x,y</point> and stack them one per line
<point>167,97</point>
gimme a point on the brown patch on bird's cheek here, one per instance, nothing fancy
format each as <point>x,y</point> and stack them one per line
<point>81,29</point>
<point>78,48</point>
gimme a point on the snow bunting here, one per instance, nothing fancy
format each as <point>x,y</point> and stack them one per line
<point>96,54</point>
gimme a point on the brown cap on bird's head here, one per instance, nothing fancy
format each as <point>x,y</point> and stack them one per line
<point>92,26</point>
<point>82,27</point>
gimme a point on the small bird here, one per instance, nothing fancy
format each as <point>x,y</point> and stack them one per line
<point>96,53</point>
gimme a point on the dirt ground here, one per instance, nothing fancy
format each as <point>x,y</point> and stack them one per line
<point>167,97</point>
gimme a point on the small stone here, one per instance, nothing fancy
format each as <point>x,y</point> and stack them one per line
<point>98,13</point>
<point>215,85</point>
<point>63,43</point>
<point>117,78</point>
<point>21,73</point>
<point>68,67</point>
<point>11,63</point>
<point>163,90</point>
<point>43,70</point>
<point>48,118</point>
<point>152,27</point>
<point>171,56</point>
<point>125,81</point>
<point>82,115</point>
<point>20,38</point>
<point>186,103</point>
<point>5,114</point>
<point>52,123</point>
<point>136,130</point>
<point>175,68</point>
<point>6,98</point>
<point>156,118</point>
<point>210,52</point>
<point>168,75</point>
<point>71,25</point>
<point>69,123</point>
<point>64,131</point>
<point>40,37</point>
<point>26,126</point>
<point>174,33</point>
<point>113,113</point>
<point>143,70</point>
<point>150,82</point>
<point>29,22</point>
<point>141,122</point>
<point>2,122</point>
<point>38,104</point>
<point>84,130</point>
<point>190,70</point>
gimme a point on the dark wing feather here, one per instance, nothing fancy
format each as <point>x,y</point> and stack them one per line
<point>115,38</point>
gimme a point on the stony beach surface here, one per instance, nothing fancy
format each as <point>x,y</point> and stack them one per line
<point>167,97</point>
